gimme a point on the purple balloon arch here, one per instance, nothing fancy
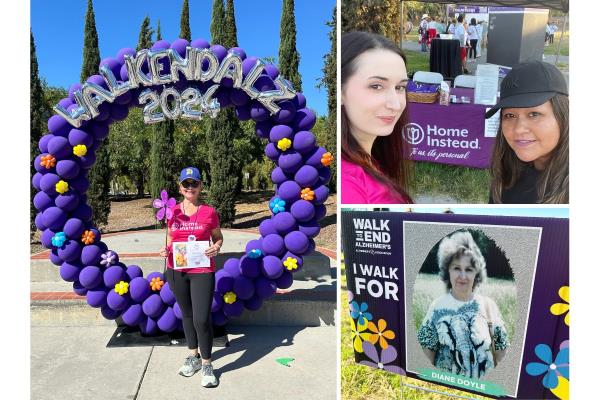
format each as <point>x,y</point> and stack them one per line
<point>65,219</point>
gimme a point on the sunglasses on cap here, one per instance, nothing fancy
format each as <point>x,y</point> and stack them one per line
<point>188,183</point>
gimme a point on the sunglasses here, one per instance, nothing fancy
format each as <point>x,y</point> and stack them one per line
<point>189,183</point>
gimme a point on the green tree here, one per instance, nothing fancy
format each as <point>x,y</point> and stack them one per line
<point>377,16</point>
<point>100,174</point>
<point>185,32</point>
<point>289,59</point>
<point>158,34</point>
<point>163,169</point>
<point>329,81</point>
<point>231,29</point>
<point>145,37</point>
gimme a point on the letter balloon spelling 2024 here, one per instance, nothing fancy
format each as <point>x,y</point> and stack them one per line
<point>204,78</point>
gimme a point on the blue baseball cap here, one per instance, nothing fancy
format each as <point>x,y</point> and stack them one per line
<point>190,173</point>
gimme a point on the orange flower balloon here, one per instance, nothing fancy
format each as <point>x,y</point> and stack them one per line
<point>326,159</point>
<point>307,194</point>
<point>48,161</point>
<point>156,284</point>
<point>88,237</point>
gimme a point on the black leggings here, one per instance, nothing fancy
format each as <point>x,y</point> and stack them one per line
<point>194,293</point>
<point>473,48</point>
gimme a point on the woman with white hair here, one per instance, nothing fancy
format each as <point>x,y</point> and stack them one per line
<point>463,332</point>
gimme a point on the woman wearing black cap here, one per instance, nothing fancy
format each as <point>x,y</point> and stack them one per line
<point>194,287</point>
<point>530,161</point>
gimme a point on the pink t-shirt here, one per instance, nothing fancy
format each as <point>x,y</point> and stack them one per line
<point>358,187</point>
<point>199,224</point>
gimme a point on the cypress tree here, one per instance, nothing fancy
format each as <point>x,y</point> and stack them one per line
<point>289,59</point>
<point>185,32</point>
<point>163,168</point>
<point>100,174</point>
<point>230,27</point>
<point>224,170</point>
<point>145,38</point>
<point>330,80</point>
<point>158,34</point>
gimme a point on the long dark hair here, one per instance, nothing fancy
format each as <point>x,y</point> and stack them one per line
<point>389,153</point>
<point>553,183</point>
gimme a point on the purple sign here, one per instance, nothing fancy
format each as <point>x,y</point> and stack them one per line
<point>453,134</point>
<point>478,303</point>
<point>467,10</point>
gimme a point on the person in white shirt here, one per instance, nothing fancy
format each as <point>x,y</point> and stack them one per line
<point>480,37</point>
<point>473,38</point>
<point>460,34</point>
<point>553,30</point>
<point>423,32</point>
<point>452,26</point>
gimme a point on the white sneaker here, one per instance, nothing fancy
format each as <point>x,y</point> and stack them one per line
<point>190,366</point>
<point>208,377</point>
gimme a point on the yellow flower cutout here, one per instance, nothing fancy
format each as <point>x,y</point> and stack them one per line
<point>561,308</point>
<point>229,297</point>
<point>562,390</point>
<point>380,334</point>
<point>61,186</point>
<point>80,150</point>
<point>284,144</point>
<point>359,334</point>
<point>290,263</point>
<point>156,284</point>
<point>122,287</point>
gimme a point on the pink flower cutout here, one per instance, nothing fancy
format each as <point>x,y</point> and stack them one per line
<point>165,206</point>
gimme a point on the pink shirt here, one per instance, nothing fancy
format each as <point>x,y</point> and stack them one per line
<point>358,187</point>
<point>199,224</point>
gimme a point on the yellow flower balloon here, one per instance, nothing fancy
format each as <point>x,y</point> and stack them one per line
<point>290,263</point>
<point>61,187</point>
<point>80,150</point>
<point>229,297</point>
<point>284,144</point>
<point>561,308</point>
<point>122,287</point>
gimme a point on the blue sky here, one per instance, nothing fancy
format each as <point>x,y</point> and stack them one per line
<point>58,26</point>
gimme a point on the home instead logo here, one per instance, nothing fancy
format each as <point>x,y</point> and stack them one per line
<point>372,235</point>
<point>452,138</point>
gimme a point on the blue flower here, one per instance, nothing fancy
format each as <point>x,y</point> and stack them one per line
<point>560,366</point>
<point>255,253</point>
<point>59,239</point>
<point>277,205</point>
<point>360,313</point>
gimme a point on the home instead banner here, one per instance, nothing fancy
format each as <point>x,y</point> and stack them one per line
<point>429,292</point>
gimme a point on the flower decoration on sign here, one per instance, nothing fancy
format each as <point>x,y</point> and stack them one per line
<point>359,312</point>
<point>121,288</point>
<point>88,237</point>
<point>59,239</point>
<point>359,335</point>
<point>180,259</point>
<point>165,206</point>
<point>388,355</point>
<point>156,284</point>
<point>48,161</point>
<point>326,159</point>
<point>350,296</point>
<point>61,186</point>
<point>229,297</point>
<point>277,205</point>
<point>255,253</point>
<point>552,369</point>
<point>284,144</point>
<point>307,194</point>
<point>380,334</point>
<point>109,258</point>
<point>290,263</point>
<point>80,150</point>
<point>561,308</point>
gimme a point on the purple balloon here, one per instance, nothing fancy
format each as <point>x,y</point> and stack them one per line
<point>113,275</point>
<point>303,210</point>
<point>233,309</point>
<point>77,136</point>
<point>243,113</point>
<point>299,259</point>
<point>134,271</point>
<point>232,267</point>
<point>307,176</point>
<point>278,176</point>
<point>54,218</point>
<point>250,267</point>
<point>116,301</point>
<point>222,95</point>
<point>87,162</point>
<point>36,181</point>
<point>104,112</point>
<point>311,246</point>
<point>243,287</point>
<point>286,112</point>
<point>218,318</point>
<point>46,238</point>
<point>97,297</point>
<point>133,315</point>
<point>74,87</point>
<point>121,58</point>
<point>139,289</point>
<point>160,45</point>
<point>124,73</point>
<point>284,223</point>
<point>68,201</point>
<point>59,147</point>
<point>39,223</point>
<point>156,274</point>
<point>58,126</point>
<point>83,212</point>
<point>179,46</point>
<point>239,51</point>
<point>43,143</point>
<point>42,200</point>
<point>74,228</point>
<point>258,112</point>
<point>296,242</point>
<point>37,164</point>
<point>217,303</point>
<point>48,183</point>
<point>148,326</point>
<point>304,142</point>
<point>67,169</point>
<point>290,161</point>
<point>279,132</point>
<point>320,212</point>
<point>238,97</point>
<point>98,80</point>
<point>272,152</point>
<point>219,51</point>
<point>289,191</point>
<point>70,271</point>
<point>125,99</point>
<point>70,251</point>
<point>200,44</point>
<point>265,287</point>
<point>90,276</point>
<point>248,64</point>
<point>272,267</point>
<point>153,306</point>
<point>167,321</point>
<point>324,176</point>
<point>263,129</point>
<point>118,112</point>
<point>299,101</point>
<point>79,289</point>
<point>310,228</point>
<point>313,158</point>
<point>272,71</point>
<point>267,227</point>
<point>273,245</point>
<point>264,83</point>
<point>223,282</point>
<point>304,120</point>
<point>91,254</point>
<point>254,303</point>
<point>251,245</point>
<point>285,280</point>
<point>321,194</point>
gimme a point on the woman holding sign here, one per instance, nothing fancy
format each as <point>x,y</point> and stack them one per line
<point>375,169</point>
<point>463,332</point>
<point>194,239</point>
<point>530,161</point>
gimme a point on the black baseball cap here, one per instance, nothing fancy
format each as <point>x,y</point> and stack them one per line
<point>529,85</point>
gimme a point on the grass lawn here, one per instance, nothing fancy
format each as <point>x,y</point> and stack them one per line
<point>417,61</point>
<point>435,183</point>
<point>564,46</point>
